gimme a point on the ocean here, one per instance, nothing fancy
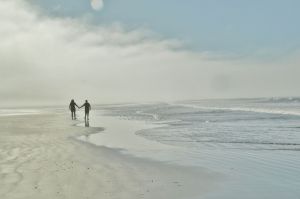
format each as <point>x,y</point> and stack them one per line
<point>253,143</point>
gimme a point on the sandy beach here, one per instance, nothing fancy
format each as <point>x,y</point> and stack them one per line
<point>185,99</point>
<point>40,157</point>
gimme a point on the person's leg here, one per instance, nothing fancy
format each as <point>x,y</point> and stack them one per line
<point>88,115</point>
<point>74,115</point>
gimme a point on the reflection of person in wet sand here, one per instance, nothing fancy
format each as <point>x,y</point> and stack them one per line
<point>73,109</point>
<point>87,108</point>
<point>87,123</point>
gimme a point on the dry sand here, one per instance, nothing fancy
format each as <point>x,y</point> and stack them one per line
<point>41,159</point>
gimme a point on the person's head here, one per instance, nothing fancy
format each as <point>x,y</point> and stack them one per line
<point>86,101</point>
<point>72,100</point>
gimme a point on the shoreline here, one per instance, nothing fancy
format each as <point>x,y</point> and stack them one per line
<point>41,158</point>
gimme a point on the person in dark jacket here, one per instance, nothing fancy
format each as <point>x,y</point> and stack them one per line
<point>87,108</point>
<point>72,108</point>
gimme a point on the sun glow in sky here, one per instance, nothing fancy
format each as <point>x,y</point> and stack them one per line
<point>97,4</point>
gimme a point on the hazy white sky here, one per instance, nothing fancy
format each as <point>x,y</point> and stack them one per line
<point>48,59</point>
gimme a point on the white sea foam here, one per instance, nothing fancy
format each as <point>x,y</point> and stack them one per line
<point>245,109</point>
<point>153,115</point>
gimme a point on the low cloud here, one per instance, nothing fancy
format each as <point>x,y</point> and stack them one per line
<point>51,60</point>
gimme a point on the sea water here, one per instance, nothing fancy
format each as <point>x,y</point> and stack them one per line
<point>255,143</point>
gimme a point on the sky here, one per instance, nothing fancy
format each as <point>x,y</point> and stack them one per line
<point>217,25</point>
<point>140,50</point>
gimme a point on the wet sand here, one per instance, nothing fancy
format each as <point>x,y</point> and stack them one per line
<point>40,157</point>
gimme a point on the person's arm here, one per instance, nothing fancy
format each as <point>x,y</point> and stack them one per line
<point>77,106</point>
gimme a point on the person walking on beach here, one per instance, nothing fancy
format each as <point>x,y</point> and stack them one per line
<point>73,109</point>
<point>87,108</point>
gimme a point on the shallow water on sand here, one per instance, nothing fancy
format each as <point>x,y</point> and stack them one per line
<point>254,142</point>
<point>17,111</point>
